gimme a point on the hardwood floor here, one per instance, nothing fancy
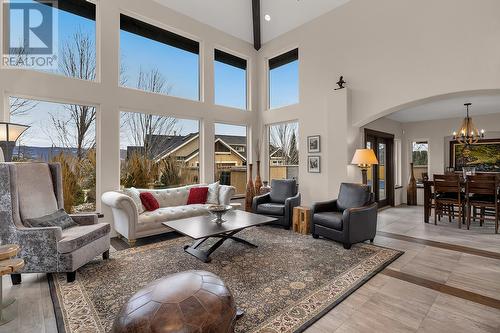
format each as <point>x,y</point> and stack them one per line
<point>447,281</point>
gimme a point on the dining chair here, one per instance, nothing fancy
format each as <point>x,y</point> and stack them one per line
<point>482,192</point>
<point>483,210</point>
<point>448,195</point>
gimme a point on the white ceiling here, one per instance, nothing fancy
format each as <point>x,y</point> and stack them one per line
<point>449,108</point>
<point>235,16</point>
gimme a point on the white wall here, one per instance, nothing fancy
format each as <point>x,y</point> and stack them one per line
<point>392,53</point>
<point>110,99</point>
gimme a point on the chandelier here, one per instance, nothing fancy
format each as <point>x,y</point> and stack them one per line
<point>468,133</point>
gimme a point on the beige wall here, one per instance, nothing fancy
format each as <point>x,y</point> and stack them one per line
<point>391,53</point>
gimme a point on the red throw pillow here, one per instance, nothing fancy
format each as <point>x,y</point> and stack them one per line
<point>197,195</point>
<point>149,201</point>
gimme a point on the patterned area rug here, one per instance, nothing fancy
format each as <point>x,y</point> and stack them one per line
<point>284,285</point>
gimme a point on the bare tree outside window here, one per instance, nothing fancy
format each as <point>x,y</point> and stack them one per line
<point>69,127</point>
<point>420,159</point>
<point>141,126</point>
<point>283,139</point>
<point>77,61</point>
<point>21,106</point>
<point>283,151</point>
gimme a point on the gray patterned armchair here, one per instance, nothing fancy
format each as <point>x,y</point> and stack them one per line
<point>32,190</point>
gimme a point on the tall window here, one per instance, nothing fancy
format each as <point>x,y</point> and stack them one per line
<point>284,151</point>
<point>230,80</point>
<point>157,60</point>
<point>231,156</point>
<point>420,157</point>
<point>64,44</point>
<point>64,133</point>
<point>284,79</point>
<point>158,151</point>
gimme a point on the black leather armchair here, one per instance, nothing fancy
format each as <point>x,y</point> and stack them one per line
<point>352,218</point>
<point>279,202</point>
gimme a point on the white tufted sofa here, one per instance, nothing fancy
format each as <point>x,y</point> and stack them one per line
<point>132,222</point>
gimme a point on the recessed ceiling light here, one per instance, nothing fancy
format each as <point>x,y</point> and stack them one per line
<point>267,17</point>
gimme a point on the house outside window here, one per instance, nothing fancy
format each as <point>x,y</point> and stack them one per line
<point>231,156</point>
<point>158,151</point>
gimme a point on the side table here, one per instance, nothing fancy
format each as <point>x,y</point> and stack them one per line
<point>8,266</point>
<point>302,219</point>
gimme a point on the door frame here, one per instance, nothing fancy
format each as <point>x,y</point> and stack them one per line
<point>389,164</point>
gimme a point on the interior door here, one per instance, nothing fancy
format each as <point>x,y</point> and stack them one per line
<point>381,176</point>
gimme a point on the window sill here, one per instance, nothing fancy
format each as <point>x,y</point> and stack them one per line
<point>283,107</point>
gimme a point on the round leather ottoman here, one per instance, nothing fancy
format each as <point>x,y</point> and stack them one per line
<point>191,301</point>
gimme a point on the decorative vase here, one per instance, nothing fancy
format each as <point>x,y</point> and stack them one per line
<point>411,191</point>
<point>265,188</point>
<point>258,180</point>
<point>250,192</point>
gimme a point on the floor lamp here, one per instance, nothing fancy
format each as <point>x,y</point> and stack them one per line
<point>9,133</point>
<point>364,159</point>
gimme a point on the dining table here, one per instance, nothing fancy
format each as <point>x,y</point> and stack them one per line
<point>428,196</point>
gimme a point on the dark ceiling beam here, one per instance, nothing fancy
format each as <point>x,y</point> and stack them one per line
<point>256,24</point>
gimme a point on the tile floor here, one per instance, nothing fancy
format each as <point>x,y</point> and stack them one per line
<point>383,304</point>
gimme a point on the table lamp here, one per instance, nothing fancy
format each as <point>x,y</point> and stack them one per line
<point>9,133</point>
<point>364,158</point>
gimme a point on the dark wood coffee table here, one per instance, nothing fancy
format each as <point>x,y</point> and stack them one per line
<point>201,228</point>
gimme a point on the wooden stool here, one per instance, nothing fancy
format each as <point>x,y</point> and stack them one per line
<point>8,266</point>
<point>302,220</point>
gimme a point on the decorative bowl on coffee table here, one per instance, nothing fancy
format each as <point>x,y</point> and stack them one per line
<point>219,211</point>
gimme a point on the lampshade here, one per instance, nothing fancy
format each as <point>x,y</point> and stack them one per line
<point>364,157</point>
<point>11,132</point>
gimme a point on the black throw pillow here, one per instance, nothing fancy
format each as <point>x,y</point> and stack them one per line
<point>57,219</point>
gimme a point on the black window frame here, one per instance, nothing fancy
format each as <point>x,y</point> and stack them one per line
<point>235,61</point>
<point>81,8</point>
<point>152,32</point>
<point>149,31</point>
<point>283,59</point>
<point>278,61</point>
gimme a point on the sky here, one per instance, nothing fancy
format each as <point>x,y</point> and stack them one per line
<point>284,85</point>
<point>180,69</point>
<point>230,85</point>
